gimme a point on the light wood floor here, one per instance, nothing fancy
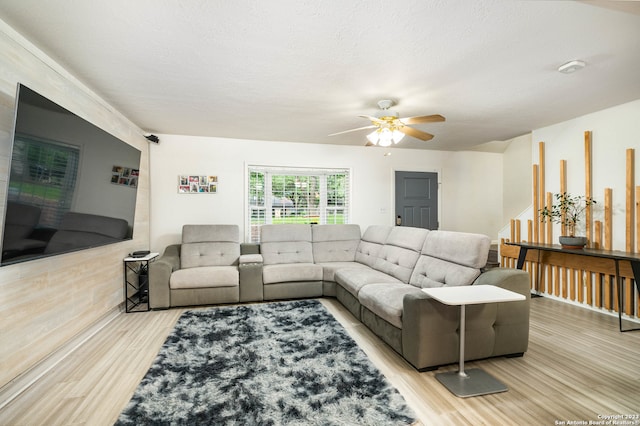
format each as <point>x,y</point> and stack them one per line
<point>578,367</point>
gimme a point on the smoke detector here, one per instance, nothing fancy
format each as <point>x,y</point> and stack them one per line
<point>571,66</point>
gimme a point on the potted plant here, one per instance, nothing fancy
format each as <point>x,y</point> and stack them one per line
<point>567,210</point>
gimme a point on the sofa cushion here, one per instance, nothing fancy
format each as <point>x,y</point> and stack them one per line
<point>285,244</point>
<point>401,251</point>
<point>285,232</point>
<point>371,243</point>
<point>450,259</point>
<point>385,300</point>
<point>209,245</point>
<point>195,255</point>
<point>206,276</point>
<point>286,252</point>
<point>432,272</point>
<point>397,262</point>
<point>354,279</point>
<point>329,269</point>
<point>210,233</point>
<point>344,232</point>
<point>463,248</point>
<point>335,243</point>
<point>407,237</point>
<point>291,272</point>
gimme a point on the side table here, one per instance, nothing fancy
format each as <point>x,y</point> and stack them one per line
<point>136,282</point>
<point>473,382</point>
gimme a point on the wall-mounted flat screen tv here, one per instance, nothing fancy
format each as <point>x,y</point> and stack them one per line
<point>71,185</point>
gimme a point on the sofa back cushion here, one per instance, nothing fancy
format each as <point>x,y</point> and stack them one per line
<point>450,259</point>
<point>335,243</point>
<point>371,243</point>
<point>398,256</point>
<point>286,244</point>
<point>209,245</point>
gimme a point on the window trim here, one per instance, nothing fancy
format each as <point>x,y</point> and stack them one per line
<point>322,172</point>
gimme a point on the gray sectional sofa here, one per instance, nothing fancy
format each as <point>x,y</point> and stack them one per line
<point>377,276</point>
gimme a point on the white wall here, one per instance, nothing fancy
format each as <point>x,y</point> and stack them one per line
<point>470,182</point>
<point>614,130</point>
<point>517,177</point>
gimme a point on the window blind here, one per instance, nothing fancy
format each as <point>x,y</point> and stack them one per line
<point>296,195</point>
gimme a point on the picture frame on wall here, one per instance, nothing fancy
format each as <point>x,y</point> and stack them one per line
<point>197,184</point>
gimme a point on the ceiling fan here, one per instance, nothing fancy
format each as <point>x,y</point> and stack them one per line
<point>389,128</point>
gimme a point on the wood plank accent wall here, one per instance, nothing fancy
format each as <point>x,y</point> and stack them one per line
<point>45,303</point>
<point>535,202</point>
<point>540,233</point>
<point>584,280</point>
<point>588,189</point>
<point>638,219</point>
<point>629,199</point>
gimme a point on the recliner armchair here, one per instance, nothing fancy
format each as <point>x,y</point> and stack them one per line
<point>204,269</point>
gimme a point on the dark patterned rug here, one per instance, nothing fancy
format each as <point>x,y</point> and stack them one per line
<point>264,364</point>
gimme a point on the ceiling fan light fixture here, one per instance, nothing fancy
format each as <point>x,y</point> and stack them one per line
<point>374,136</point>
<point>386,137</point>
<point>397,136</point>
<point>391,129</point>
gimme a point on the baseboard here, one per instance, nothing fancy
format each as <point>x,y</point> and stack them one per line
<point>15,387</point>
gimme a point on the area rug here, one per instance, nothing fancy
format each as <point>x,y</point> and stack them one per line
<point>286,363</point>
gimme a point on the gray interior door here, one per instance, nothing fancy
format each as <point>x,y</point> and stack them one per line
<point>417,199</point>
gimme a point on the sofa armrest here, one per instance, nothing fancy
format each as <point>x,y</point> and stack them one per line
<point>251,286</point>
<point>430,329</point>
<point>510,279</point>
<point>250,267</point>
<point>159,274</point>
<point>250,258</point>
<point>512,319</point>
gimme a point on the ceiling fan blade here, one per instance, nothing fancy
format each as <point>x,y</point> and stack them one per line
<point>369,144</point>
<point>374,120</point>
<point>353,130</point>
<point>423,119</point>
<point>418,134</point>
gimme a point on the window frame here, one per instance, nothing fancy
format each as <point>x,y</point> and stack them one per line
<point>252,233</point>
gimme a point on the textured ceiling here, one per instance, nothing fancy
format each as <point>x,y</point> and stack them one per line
<point>291,70</point>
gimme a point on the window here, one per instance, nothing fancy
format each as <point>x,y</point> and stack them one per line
<point>43,174</point>
<point>296,195</point>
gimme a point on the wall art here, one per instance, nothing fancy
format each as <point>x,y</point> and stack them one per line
<point>197,184</point>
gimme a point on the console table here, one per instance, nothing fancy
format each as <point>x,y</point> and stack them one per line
<point>614,255</point>
<point>473,382</point>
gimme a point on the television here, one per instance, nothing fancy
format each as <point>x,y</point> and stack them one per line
<point>71,185</point>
